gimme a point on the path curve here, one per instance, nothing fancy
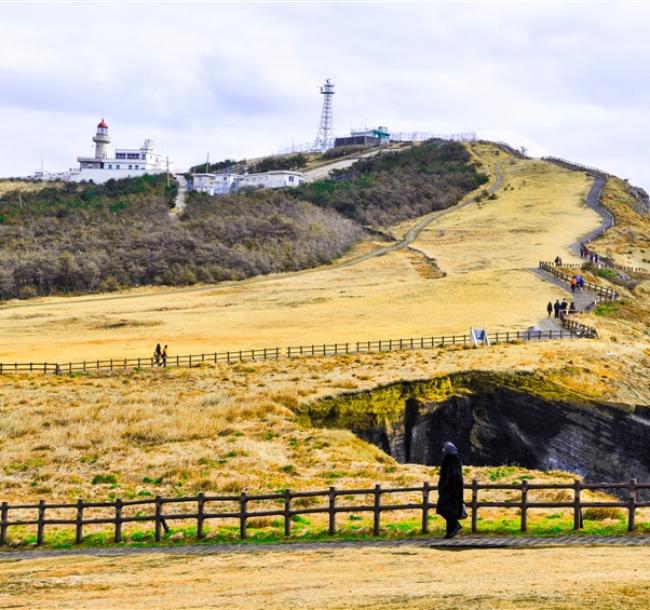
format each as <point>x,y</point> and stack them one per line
<point>473,542</point>
<point>410,236</point>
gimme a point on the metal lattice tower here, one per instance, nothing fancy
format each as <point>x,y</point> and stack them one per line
<point>324,136</point>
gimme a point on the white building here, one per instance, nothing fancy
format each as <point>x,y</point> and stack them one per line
<point>215,184</point>
<point>222,184</point>
<point>125,163</point>
<point>275,179</point>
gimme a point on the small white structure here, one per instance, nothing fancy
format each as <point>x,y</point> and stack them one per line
<point>215,184</point>
<point>275,179</point>
<point>126,162</point>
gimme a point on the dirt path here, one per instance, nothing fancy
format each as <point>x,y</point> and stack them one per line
<point>412,234</point>
<point>378,578</point>
<point>181,195</point>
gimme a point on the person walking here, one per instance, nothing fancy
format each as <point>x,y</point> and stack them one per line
<point>574,283</point>
<point>549,309</point>
<point>556,307</point>
<point>450,490</point>
<point>156,355</point>
<point>163,356</point>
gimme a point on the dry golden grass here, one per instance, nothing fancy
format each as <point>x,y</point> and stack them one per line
<point>231,427</point>
<point>484,248</point>
<point>7,186</point>
<point>628,242</point>
<point>387,579</point>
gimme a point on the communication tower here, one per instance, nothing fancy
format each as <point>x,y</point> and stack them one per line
<point>324,136</point>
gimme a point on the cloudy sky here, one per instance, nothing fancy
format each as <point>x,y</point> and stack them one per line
<point>241,80</point>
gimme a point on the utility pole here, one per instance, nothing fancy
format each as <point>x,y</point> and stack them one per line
<point>167,170</point>
<point>207,163</point>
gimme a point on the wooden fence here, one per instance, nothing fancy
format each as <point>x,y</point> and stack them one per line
<point>602,291</point>
<point>330,502</point>
<point>275,353</point>
<point>606,262</point>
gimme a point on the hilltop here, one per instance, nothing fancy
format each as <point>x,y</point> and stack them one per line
<point>120,235</point>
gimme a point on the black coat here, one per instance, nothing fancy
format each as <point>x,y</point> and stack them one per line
<point>450,488</point>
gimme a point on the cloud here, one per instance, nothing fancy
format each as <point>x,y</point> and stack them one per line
<point>241,80</point>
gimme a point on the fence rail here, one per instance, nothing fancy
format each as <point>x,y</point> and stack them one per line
<point>332,502</point>
<point>275,353</point>
<point>602,291</point>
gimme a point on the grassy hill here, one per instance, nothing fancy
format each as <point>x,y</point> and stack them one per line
<point>393,186</point>
<point>84,238</point>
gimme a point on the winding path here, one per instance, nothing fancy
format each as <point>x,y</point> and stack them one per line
<point>410,236</point>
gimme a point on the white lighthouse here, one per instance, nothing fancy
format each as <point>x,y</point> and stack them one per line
<point>122,163</point>
<point>102,140</point>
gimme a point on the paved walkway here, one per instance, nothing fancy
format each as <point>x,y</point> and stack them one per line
<point>179,203</point>
<point>582,298</point>
<point>463,542</point>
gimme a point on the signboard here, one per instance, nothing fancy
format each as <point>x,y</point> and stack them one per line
<point>479,336</point>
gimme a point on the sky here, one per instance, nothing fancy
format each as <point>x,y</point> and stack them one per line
<point>240,80</point>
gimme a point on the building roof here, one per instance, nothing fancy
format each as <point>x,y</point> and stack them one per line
<point>102,124</point>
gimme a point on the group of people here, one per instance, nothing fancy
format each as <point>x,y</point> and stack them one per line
<point>160,356</point>
<point>577,281</point>
<point>561,309</point>
<point>585,252</point>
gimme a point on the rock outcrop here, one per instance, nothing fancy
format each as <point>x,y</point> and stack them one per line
<point>495,420</point>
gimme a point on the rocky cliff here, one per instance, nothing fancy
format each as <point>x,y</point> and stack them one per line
<point>511,419</point>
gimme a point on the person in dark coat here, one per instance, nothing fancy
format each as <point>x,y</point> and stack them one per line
<point>557,307</point>
<point>549,309</point>
<point>450,489</point>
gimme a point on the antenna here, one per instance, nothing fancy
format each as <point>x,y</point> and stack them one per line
<point>324,135</point>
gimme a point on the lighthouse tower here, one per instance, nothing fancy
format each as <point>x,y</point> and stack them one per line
<point>101,140</point>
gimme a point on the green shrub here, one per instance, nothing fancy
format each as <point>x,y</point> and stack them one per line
<point>101,479</point>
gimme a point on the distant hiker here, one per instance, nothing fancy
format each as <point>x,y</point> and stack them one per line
<point>549,309</point>
<point>574,283</point>
<point>164,356</point>
<point>572,308</point>
<point>583,250</point>
<point>558,261</point>
<point>581,282</point>
<point>156,355</point>
<point>450,490</point>
<point>557,307</point>
<point>596,259</point>
<point>564,306</point>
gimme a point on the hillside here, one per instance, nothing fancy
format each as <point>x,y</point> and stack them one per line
<point>260,425</point>
<point>393,186</point>
<point>119,235</point>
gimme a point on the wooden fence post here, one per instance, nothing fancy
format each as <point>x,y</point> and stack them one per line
<point>474,506</point>
<point>287,513</point>
<point>426,488</point>
<point>118,520</point>
<point>376,513</point>
<point>4,517</point>
<point>577,508</point>
<point>200,518</point>
<point>524,506</point>
<point>332,511</point>
<point>242,515</point>
<point>79,536</point>
<point>632,505</point>
<point>41,522</point>
<point>158,519</point>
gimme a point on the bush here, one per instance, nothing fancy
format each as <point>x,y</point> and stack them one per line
<point>101,479</point>
<point>394,186</point>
